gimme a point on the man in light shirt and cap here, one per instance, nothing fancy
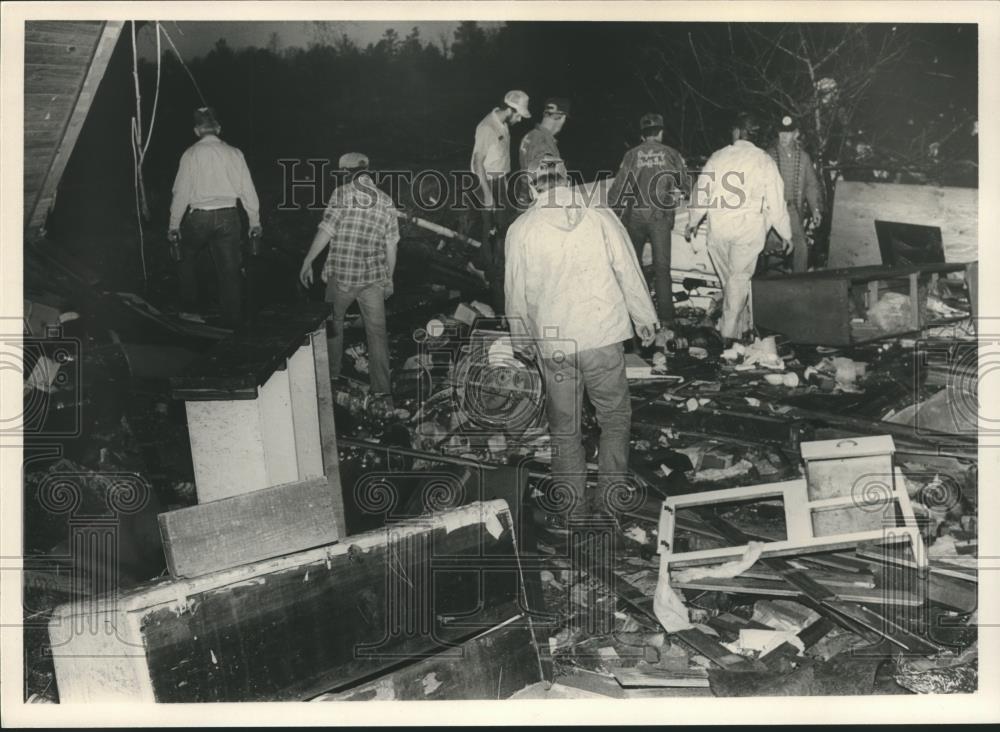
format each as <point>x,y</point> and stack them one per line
<point>362,230</point>
<point>211,178</point>
<point>491,165</point>
<point>574,287</point>
<point>741,192</point>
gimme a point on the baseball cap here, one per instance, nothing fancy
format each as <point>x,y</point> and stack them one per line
<point>204,117</point>
<point>518,100</point>
<point>650,120</point>
<point>556,105</point>
<point>353,161</point>
<point>788,124</point>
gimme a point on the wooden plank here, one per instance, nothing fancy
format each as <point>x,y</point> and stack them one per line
<point>713,650</point>
<point>327,428</point>
<point>73,53</point>
<point>38,107</point>
<point>294,626</point>
<point>780,588</point>
<point>830,579</point>
<point>248,528</point>
<point>278,428</point>
<point>54,79</point>
<point>660,677</point>
<point>853,240</point>
<point>76,28</point>
<point>305,411</point>
<point>493,665</point>
<point>38,201</point>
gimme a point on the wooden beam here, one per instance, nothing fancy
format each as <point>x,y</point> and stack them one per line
<point>295,626</point>
<point>37,202</point>
<point>248,528</point>
<point>493,665</point>
<point>327,428</point>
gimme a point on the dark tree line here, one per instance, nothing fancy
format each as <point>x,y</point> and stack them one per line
<point>874,100</point>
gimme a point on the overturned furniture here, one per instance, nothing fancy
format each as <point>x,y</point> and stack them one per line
<point>296,626</point>
<point>852,495</point>
<point>260,407</point>
<point>842,307</point>
<point>267,600</point>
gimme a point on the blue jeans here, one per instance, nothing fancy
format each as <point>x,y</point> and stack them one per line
<point>371,301</point>
<point>658,233</point>
<point>601,372</point>
<point>220,230</point>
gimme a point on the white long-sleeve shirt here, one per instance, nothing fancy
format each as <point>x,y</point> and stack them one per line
<point>741,189</point>
<point>213,175</point>
<point>572,277</point>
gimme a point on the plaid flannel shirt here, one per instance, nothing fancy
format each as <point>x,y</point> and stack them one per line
<point>361,223</point>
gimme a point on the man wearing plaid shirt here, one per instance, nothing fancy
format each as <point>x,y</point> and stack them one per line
<point>361,228</point>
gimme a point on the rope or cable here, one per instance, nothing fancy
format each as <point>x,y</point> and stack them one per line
<point>156,96</point>
<point>136,140</point>
<point>138,207</point>
<point>184,66</point>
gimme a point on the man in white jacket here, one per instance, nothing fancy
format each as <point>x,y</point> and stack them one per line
<point>741,192</point>
<point>573,284</point>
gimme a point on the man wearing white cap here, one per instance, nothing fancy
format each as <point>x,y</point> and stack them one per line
<point>801,188</point>
<point>491,166</point>
<point>361,229</point>
<point>741,192</point>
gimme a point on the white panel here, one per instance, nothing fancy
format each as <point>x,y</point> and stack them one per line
<point>275,403</point>
<point>305,412</point>
<point>227,443</point>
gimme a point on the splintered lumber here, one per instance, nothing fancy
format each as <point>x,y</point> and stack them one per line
<point>780,588</point>
<point>296,626</point>
<point>656,677</point>
<point>437,228</point>
<point>853,616</point>
<point>494,665</point>
<point>249,527</point>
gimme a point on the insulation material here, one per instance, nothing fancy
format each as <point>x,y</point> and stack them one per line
<point>891,313</point>
<point>727,570</point>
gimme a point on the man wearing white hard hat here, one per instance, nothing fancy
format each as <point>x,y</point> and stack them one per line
<point>361,229</point>
<point>491,165</point>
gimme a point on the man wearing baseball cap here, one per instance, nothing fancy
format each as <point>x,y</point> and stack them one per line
<point>361,229</point>
<point>542,140</point>
<point>801,188</point>
<point>491,165</point>
<point>647,189</point>
<point>211,178</point>
<point>574,288</point>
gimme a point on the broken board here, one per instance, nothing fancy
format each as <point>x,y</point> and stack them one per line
<point>857,206</point>
<point>295,626</point>
<point>494,665</point>
<point>249,527</point>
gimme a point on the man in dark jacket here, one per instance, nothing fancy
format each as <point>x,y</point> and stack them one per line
<point>646,191</point>
<point>801,188</point>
